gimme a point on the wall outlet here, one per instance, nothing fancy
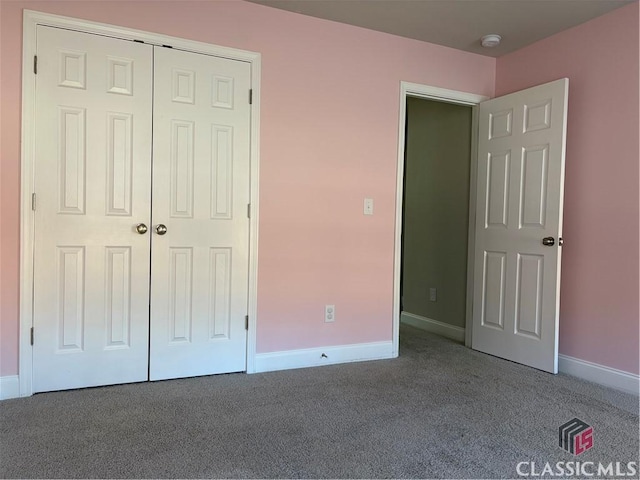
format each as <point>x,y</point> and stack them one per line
<point>329,313</point>
<point>433,295</point>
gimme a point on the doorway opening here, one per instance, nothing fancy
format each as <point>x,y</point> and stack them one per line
<point>433,283</point>
<point>435,293</point>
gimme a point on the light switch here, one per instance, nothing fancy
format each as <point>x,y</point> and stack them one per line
<point>368,206</point>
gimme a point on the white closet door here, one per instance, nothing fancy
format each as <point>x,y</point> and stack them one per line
<point>199,282</point>
<point>521,153</point>
<point>92,185</point>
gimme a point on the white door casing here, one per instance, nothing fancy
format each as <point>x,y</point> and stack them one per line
<point>201,192</point>
<point>520,180</point>
<point>92,170</point>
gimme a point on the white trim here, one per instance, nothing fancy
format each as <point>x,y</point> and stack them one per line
<point>434,326</point>
<point>254,173</point>
<point>441,94</point>
<point>313,357</point>
<point>471,235</point>
<point>9,387</point>
<point>601,374</point>
<point>27,219</point>
<point>31,20</point>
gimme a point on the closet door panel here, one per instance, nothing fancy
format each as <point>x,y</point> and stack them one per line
<point>93,187</point>
<point>200,241</point>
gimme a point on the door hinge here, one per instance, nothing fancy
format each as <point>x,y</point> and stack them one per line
<point>31,335</point>
<point>35,64</point>
<point>33,202</point>
<point>251,96</point>
<point>246,322</point>
<point>248,210</point>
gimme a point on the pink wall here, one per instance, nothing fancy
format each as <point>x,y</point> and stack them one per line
<point>328,139</point>
<point>599,299</point>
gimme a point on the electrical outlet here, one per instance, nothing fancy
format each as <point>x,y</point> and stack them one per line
<point>329,313</point>
<point>433,295</point>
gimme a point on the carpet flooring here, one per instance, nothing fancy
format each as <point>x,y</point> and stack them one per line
<point>440,410</point>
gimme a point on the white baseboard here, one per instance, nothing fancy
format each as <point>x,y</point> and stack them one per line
<point>593,372</point>
<point>433,326</point>
<point>9,387</point>
<point>315,357</point>
<point>312,357</point>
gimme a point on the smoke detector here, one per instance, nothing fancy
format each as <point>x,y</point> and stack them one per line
<point>491,40</point>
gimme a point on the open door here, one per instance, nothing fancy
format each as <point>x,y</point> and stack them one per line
<point>521,152</point>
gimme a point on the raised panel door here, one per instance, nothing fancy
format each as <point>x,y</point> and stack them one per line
<point>521,153</point>
<point>199,283</point>
<point>92,185</point>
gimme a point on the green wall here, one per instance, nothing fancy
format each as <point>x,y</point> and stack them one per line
<point>436,209</point>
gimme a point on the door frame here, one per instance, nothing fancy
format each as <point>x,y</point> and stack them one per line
<point>31,20</point>
<point>428,92</point>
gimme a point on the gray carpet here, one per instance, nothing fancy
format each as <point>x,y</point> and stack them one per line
<point>438,411</point>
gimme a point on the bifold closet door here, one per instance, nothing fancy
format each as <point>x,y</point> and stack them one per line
<point>92,190</point>
<point>200,234</point>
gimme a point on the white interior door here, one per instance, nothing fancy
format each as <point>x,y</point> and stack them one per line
<point>92,171</point>
<point>200,238</point>
<point>521,155</point>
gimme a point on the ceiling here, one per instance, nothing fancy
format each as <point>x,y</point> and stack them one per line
<point>458,23</point>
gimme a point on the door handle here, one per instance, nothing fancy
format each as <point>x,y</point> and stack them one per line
<point>141,228</point>
<point>548,241</point>
<point>161,229</point>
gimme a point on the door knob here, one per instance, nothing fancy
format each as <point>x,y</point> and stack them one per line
<point>548,241</point>
<point>161,229</point>
<point>141,228</point>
